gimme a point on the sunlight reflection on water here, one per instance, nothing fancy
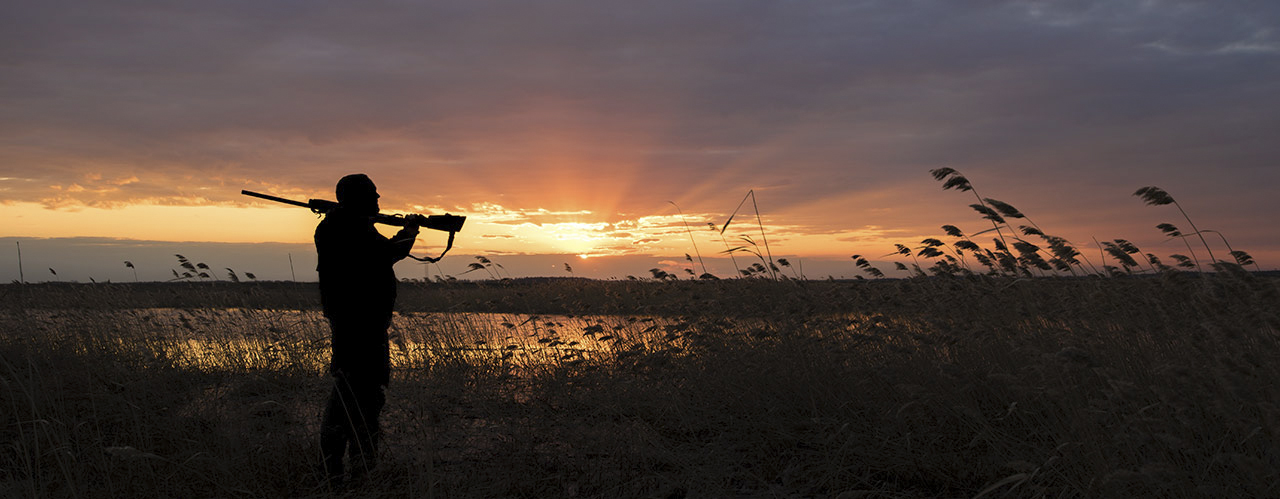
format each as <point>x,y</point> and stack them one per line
<point>253,339</point>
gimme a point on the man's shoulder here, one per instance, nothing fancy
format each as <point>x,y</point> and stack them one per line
<point>339,219</point>
<point>344,227</point>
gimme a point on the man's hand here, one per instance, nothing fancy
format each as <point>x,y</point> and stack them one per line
<point>409,232</point>
<point>414,220</point>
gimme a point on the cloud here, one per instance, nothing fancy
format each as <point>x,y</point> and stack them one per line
<point>497,214</point>
<point>601,111</point>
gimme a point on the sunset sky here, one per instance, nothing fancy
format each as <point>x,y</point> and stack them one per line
<point>570,131</point>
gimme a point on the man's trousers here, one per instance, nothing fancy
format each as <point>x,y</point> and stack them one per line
<point>350,424</point>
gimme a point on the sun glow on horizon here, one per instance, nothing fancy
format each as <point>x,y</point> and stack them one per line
<point>161,223</point>
<point>490,229</point>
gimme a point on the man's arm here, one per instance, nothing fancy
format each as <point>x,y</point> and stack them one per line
<point>402,242</point>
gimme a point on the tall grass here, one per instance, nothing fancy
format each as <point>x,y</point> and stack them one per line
<point>946,387</point>
<point>765,266</point>
<point>1058,254</point>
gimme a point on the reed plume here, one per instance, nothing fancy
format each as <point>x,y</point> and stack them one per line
<point>952,179</point>
<point>1156,196</point>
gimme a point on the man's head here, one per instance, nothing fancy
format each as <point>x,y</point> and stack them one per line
<point>356,192</point>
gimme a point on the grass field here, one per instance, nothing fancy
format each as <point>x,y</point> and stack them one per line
<point>930,387</point>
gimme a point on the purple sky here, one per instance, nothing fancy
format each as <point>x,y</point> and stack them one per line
<point>833,111</point>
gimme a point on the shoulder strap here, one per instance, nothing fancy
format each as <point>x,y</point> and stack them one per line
<point>447,247</point>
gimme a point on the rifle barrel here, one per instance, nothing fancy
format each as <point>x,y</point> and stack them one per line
<point>447,223</point>
<point>269,197</point>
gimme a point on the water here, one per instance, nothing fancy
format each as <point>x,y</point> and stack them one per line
<point>251,339</point>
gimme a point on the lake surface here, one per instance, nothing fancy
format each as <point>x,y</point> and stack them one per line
<point>248,339</point>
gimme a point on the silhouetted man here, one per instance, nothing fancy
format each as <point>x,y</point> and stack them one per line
<point>357,292</point>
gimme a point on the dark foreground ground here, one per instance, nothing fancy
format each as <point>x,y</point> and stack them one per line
<point>1158,387</point>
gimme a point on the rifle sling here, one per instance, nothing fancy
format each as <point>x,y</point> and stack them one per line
<point>447,247</point>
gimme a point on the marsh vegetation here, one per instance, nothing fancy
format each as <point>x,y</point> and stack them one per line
<point>925,387</point>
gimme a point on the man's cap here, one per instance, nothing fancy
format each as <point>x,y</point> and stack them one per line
<point>356,186</point>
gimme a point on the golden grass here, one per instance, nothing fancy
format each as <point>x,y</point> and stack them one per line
<point>939,387</point>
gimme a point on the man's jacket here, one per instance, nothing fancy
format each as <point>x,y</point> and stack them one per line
<point>358,286</point>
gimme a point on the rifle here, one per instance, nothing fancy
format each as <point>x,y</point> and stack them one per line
<point>446,223</point>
